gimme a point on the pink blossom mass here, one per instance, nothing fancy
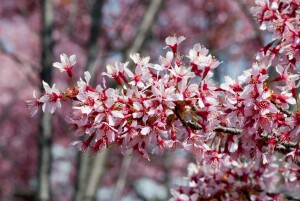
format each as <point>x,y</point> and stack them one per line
<point>233,129</point>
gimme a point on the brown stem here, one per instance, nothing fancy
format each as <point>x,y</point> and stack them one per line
<point>284,146</point>
<point>287,112</point>
<point>232,131</point>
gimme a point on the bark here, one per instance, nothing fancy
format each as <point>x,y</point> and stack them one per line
<point>45,122</point>
<point>144,30</point>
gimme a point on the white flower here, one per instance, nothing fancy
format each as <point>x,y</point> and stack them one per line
<point>173,42</point>
<point>66,64</point>
<point>33,104</point>
<point>51,99</point>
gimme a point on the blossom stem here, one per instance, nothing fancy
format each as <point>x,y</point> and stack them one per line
<point>72,82</point>
<point>213,140</point>
<point>219,143</point>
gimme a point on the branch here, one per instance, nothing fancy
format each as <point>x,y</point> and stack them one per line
<point>145,26</point>
<point>286,196</point>
<point>283,146</point>
<point>196,126</point>
<point>287,112</point>
<point>16,59</point>
<point>233,131</point>
<point>72,16</point>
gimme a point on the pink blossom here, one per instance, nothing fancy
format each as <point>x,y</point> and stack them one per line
<point>173,42</point>
<point>233,129</point>
<point>34,104</point>
<point>117,72</point>
<point>51,98</point>
<point>66,64</point>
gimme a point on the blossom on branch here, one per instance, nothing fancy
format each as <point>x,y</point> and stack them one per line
<point>66,64</point>
<point>233,129</point>
<point>51,98</point>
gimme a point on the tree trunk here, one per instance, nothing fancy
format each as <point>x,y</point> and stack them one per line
<point>141,36</point>
<point>88,175</point>
<point>45,121</point>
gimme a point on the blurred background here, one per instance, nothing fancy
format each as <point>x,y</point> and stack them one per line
<point>37,160</point>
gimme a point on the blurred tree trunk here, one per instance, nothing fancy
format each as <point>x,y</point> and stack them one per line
<point>45,121</point>
<point>89,177</point>
<point>141,36</point>
<point>96,16</point>
<point>90,170</point>
<point>96,171</point>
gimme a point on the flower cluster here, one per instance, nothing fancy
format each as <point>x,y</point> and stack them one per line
<point>173,104</point>
<point>233,181</point>
<point>176,104</point>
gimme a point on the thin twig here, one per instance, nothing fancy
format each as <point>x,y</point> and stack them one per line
<point>281,109</point>
<point>26,69</point>
<point>233,131</point>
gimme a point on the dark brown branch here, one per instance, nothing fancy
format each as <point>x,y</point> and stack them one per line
<point>194,125</point>
<point>283,146</point>
<point>233,131</point>
<point>180,118</point>
<point>288,113</point>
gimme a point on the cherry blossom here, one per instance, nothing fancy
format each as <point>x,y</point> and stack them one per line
<point>34,104</point>
<point>51,98</point>
<point>66,64</point>
<point>233,129</point>
<point>173,42</point>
